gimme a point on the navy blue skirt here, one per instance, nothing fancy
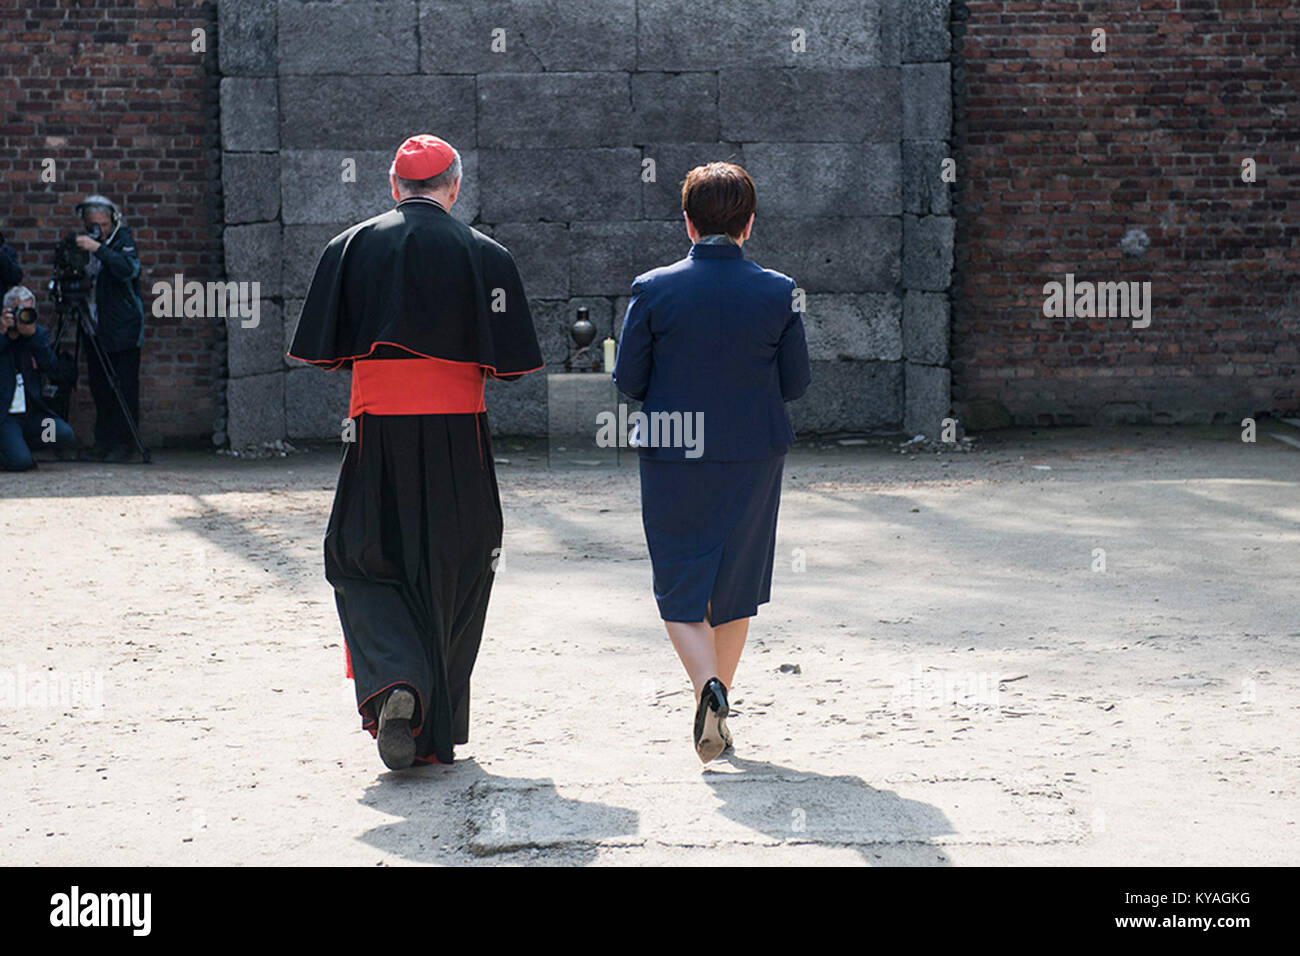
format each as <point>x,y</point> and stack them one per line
<point>711,530</point>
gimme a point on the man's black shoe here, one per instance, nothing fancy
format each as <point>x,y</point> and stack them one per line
<point>93,453</point>
<point>120,454</point>
<point>396,744</point>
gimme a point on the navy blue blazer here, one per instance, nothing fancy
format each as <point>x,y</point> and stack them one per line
<point>715,336</point>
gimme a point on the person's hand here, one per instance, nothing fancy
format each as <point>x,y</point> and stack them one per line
<point>85,242</point>
<point>7,321</point>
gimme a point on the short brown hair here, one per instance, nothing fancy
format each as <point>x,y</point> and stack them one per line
<point>718,197</point>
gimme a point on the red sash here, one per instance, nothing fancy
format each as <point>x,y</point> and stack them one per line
<point>416,386</point>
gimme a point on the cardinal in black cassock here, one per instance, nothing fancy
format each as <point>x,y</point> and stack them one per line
<point>423,309</point>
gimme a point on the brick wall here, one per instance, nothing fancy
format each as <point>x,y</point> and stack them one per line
<point>843,138</point>
<point>112,92</point>
<point>1065,151</point>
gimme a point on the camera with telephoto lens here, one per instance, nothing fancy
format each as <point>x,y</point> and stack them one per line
<point>26,315</point>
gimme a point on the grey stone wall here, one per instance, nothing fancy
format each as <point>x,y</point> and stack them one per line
<point>844,139</point>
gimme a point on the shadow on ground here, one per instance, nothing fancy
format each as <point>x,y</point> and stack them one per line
<point>801,806</point>
<point>462,813</point>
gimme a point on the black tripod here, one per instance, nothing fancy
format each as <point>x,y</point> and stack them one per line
<point>74,309</point>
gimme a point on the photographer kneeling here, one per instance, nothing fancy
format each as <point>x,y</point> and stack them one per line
<point>26,422</point>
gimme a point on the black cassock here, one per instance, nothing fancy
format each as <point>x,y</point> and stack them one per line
<point>415,529</point>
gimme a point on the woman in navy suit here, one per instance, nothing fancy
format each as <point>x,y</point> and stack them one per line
<point>713,345</point>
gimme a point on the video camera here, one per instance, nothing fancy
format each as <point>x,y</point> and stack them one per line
<point>70,265</point>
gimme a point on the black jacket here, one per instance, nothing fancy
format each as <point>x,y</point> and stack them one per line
<point>29,356</point>
<point>11,273</point>
<point>119,310</point>
<point>417,281</point>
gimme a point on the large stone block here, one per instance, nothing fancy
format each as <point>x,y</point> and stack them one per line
<point>466,207</point>
<point>810,105</point>
<point>344,37</point>
<point>924,30</point>
<point>250,185</point>
<point>255,409</point>
<point>927,101</point>
<point>303,246</point>
<point>927,400</point>
<point>256,350</point>
<point>830,255</point>
<point>620,313</point>
<point>376,112</point>
<point>560,185</point>
<point>927,252</point>
<point>518,407</point>
<point>676,35</point>
<point>674,108</point>
<point>247,37</point>
<point>854,326</point>
<point>662,198</point>
<point>292,312</point>
<point>541,252</point>
<point>604,257</point>
<point>250,118</point>
<point>924,191</point>
<point>315,402</point>
<point>826,179</point>
<point>253,255</point>
<point>312,185</point>
<point>925,327</point>
<point>568,110</point>
<point>551,36</point>
<point>850,397</point>
<point>574,402</point>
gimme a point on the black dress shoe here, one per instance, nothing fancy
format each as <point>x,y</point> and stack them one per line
<point>93,453</point>
<point>120,454</point>
<point>396,745</point>
<point>711,720</point>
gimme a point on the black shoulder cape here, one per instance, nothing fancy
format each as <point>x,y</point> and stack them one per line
<point>417,280</point>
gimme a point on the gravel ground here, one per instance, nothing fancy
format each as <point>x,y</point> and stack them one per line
<point>1062,647</point>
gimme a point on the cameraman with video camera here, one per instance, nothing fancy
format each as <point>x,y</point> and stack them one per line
<point>26,421</point>
<point>117,321</point>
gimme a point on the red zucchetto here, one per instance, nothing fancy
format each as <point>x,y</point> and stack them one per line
<point>422,157</point>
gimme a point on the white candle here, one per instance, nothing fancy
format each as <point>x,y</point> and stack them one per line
<point>609,355</point>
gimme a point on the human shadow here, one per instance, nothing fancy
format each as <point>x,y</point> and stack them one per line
<point>448,811</point>
<point>800,806</point>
